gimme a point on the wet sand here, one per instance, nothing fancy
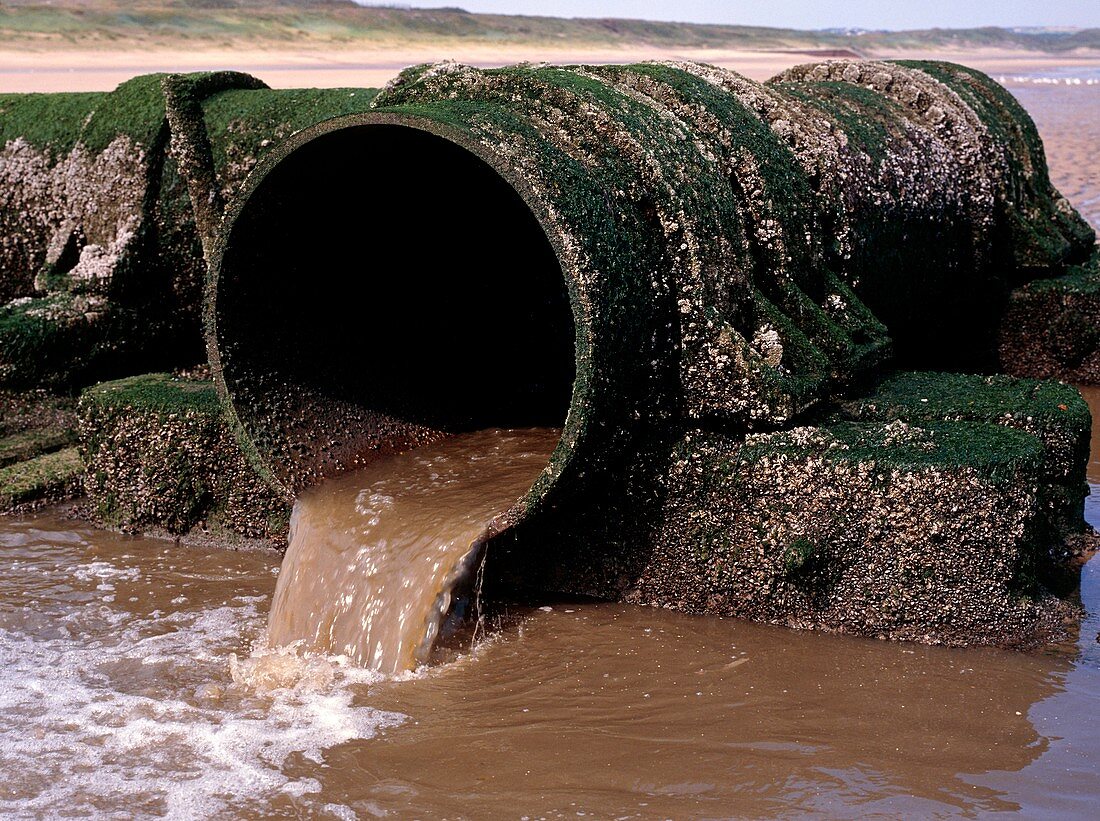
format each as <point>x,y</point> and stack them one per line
<point>84,70</point>
<point>58,69</point>
<point>1068,118</point>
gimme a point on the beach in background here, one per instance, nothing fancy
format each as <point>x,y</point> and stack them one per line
<point>1065,104</point>
<point>75,45</point>
<point>1062,92</point>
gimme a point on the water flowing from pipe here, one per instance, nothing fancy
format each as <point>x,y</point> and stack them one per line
<point>376,556</point>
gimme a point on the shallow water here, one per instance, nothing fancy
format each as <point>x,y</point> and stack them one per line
<point>117,697</point>
<point>376,555</point>
<point>132,705</point>
<point>127,687</point>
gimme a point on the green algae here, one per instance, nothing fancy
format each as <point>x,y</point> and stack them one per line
<point>41,479</point>
<point>868,120</point>
<point>1043,234</point>
<point>921,396</point>
<point>1051,327</point>
<point>159,453</point>
<point>18,447</point>
<point>135,109</point>
<point>994,451</point>
<point>97,169</point>
<point>60,342</point>
<point>1079,280</point>
<point>156,393</point>
<point>51,121</point>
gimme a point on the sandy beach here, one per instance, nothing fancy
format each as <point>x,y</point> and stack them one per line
<point>53,68</point>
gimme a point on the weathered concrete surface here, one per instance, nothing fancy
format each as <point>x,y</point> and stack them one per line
<point>875,529</point>
<point>159,454</point>
<point>1051,327</point>
<point>735,253</point>
<point>101,267</point>
<point>740,261</point>
<point>939,508</point>
<point>1052,412</point>
<point>39,464</point>
<point>935,509</point>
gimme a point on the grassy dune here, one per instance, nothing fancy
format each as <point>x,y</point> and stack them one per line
<point>336,23</point>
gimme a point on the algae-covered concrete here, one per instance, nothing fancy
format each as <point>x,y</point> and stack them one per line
<point>934,507</point>
<point>101,267</point>
<point>39,463</point>
<point>938,507</point>
<point>741,267</point>
<point>735,253</point>
<point>1050,328</point>
<point>159,454</point>
<point>707,282</point>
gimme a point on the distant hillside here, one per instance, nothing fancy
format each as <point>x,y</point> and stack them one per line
<point>116,23</point>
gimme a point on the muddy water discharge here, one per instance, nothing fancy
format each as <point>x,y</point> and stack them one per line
<point>136,681</point>
<point>376,555</point>
<point>119,698</point>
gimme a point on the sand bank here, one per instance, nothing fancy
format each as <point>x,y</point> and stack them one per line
<point>26,69</point>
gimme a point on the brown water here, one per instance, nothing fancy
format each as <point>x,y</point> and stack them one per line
<point>135,680</point>
<point>120,696</point>
<point>376,555</point>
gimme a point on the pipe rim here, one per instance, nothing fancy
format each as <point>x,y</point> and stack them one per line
<point>573,426</point>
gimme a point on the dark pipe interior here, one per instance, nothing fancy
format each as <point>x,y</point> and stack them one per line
<point>390,268</point>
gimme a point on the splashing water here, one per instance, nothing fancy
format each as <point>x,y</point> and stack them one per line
<point>114,698</point>
<point>375,556</point>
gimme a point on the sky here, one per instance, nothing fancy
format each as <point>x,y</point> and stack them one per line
<point>805,14</point>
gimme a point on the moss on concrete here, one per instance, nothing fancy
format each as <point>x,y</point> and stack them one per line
<point>36,460</point>
<point>135,109</point>
<point>19,447</point>
<point>159,454</point>
<point>62,341</point>
<point>933,533</point>
<point>244,124</point>
<point>50,121</point>
<point>92,204</point>
<point>48,478</point>
<point>1052,412</point>
<point>33,410</point>
<point>1051,327</point>
<point>985,448</point>
<point>737,257</point>
<point>1045,231</point>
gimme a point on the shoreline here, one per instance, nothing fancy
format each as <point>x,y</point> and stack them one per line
<point>1057,634</point>
<point>199,537</point>
<point>49,69</point>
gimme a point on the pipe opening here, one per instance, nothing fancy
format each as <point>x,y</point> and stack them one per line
<point>382,284</point>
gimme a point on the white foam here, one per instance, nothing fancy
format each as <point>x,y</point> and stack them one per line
<point>340,811</point>
<point>83,729</point>
<point>1049,79</point>
<point>103,570</point>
